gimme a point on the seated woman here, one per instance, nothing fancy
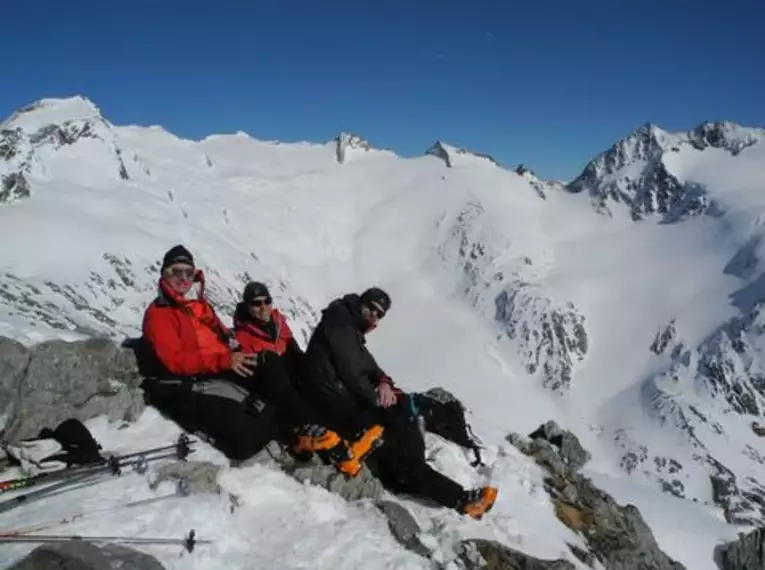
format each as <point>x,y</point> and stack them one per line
<point>262,330</point>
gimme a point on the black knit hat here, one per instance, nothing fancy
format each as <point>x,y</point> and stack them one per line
<point>377,296</point>
<point>177,254</point>
<point>253,290</point>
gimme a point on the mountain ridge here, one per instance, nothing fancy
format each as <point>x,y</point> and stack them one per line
<point>643,338</point>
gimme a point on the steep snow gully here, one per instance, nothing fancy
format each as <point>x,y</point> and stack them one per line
<point>624,305</point>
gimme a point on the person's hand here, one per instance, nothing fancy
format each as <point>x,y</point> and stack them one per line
<point>243,363</point>
<point>386,397</point>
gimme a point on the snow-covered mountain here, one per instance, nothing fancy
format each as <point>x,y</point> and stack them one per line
<point>626,305</point>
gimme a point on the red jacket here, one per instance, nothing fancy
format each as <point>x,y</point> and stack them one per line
<point>254,339</point>
<point>187,336</point>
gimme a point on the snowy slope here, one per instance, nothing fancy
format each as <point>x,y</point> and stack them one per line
<point>515,293</point>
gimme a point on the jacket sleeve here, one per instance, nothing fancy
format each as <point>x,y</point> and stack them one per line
<point>293,349</point>
<point>161,332</point>
<point>351,361</point>
<point>378,375</point>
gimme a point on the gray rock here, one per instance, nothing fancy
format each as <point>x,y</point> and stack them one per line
<point>616,535</point>
<point>362,486</point>
<point>200,477</point>
<point>14,359</point>
<point>81,379</point>
<point>574,455</point>
<point>547,456</point>
<point>403,527</point>
<point>745,553</point>
<point>480,554</point>
<point>522,443</point>
<point>80,555</point>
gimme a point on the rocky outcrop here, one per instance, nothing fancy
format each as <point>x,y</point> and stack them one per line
<point>549,336</point>
<point>81,555</point>
<point>451,155</point>
<point>551,339</point>
<point>632,172</point>
<point>347,143</point>
<point>14,360</point>
<point>480,554</point>
<point>616,535</point>
<point>61,380</point>
<point>745,553</point>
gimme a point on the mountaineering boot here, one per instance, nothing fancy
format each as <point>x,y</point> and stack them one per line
<point>314,438</point>
<point>362,446</point>
<point>478,502</point>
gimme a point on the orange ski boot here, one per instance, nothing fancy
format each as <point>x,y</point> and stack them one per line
<point>316,439</point>
<point>359,449</point>
<point>478,502</point>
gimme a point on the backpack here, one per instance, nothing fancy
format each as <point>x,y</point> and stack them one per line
<point>444,415</point>
<point>68,444</point>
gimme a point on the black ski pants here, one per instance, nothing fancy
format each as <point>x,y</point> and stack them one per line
<point>216,409</point>
<point>400,462</point>
<point>273,383</point>
<point>225,410</point>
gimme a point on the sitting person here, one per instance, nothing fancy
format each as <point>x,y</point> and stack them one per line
<point>343,380</point>
<point>262,330</point>
<point>195,359</point>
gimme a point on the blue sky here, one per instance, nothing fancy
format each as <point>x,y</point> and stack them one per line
<point>546,83</point>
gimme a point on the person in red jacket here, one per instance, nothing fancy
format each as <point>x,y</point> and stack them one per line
<point>262,329</point>
<point>182,327</point>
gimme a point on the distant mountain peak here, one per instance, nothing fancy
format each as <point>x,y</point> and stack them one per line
<point>634,171</point>
<point>726,135</point>
<point>347,143</point>
<point>52,111</point>
<point>452,155</point>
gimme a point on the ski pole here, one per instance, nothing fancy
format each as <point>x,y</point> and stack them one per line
<point>140,464</point>
<point>44,492</point>
<point>181,491</point>
<point>115,464</point>
<point>188,542</point>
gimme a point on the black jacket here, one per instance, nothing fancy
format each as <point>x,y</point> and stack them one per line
<point>338,368</point>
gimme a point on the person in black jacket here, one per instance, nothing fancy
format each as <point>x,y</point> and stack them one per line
<point>353,394</point>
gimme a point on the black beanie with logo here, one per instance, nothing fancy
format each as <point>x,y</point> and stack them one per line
<point>253,290</point>
<point>177,254</point>
<point>378,297</point>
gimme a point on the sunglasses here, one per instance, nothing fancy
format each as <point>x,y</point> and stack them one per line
<point>181,273</point>
<point>376,311</point>
<point>261,302</point>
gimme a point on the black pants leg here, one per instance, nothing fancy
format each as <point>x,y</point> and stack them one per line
<point>236,430</point>
<point>273,383</point>
<point>400,462</point>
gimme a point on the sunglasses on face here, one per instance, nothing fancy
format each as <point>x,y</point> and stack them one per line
<point>261,302</point>
<point>376,312</point>
<point>182,273</point>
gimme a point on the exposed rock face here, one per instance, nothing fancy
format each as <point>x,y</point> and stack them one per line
<point>726,368</point>
<point>403,527</point>
<point>14,360</point>
<point>346,143</point>
<point>79,555</point>
<point>198,477</point>
<point>746,553</point>
<point>452,154</point>
<point>479,554</point>
<point>617,535</point>
<point>62,380</point>
<point>550,337</point>
<point>362,486</point>
<point>632,172</point>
